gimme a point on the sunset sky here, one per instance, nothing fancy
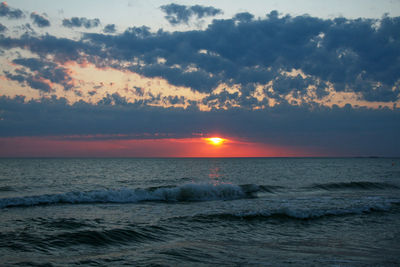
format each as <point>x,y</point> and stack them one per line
<point>157,78</point>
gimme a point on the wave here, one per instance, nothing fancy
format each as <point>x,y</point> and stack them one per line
<point>253,188</point>
<point>6,189</point>
<point>104,237</point>
<point>62,223</point>
<point>354,185</point>
<point>187,192</point>
<point>30,241</point>
<point>296,214</point>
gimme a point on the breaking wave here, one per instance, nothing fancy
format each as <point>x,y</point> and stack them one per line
<point>187,192</point>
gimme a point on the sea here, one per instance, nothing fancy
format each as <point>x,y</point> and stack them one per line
<point>200,212</point>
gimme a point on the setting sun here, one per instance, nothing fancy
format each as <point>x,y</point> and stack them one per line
<point>215,140</point>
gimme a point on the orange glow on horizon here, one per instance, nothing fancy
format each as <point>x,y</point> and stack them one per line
<point>163,147</point>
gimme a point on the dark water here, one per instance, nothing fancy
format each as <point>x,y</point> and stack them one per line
<point>185,212</point>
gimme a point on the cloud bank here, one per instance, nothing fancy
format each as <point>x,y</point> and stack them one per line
<point>339,131</point>
<point>350,55</point>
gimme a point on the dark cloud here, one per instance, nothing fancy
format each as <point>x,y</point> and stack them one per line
<point>354,55</point>
<point>203,11</point>
<point>9,12</point>
<point>344,131</point>
<point>20,75</point>
<point>40,20</point>
<point>110,28</point>
<point>42,74</point>
<point>195,79</point>
<point>3,28</point>
<point>244,17</point>
<point>181,14</point>
<point>63,49</point>
<point>27,28</point>
<point>33,81</point>
<point>81,22</point>
<point>286,84</point>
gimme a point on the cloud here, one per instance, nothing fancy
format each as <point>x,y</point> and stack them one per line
<point>181,14</point>
<point>195,79</point>
<point>3,28</point>
<point>63,49</point>
<point>33,81</point>
<point>9,12</point>
<point>345,131</point>
<point>202,11</point>
<point>81,22</point>
<point>43,74</point>
<point>346,55</point>
<point>243,17</point>
<point>353,55</point>
<point>110,28</point>
<point>40,20</point>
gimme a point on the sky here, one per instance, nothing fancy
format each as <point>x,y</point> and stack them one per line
<point>157,78</point>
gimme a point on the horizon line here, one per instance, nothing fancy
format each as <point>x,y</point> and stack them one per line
<point>172,157</point>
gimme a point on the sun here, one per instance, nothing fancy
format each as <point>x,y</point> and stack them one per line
<point>216,141</point>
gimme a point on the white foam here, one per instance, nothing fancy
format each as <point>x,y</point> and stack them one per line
<point>187,192</point>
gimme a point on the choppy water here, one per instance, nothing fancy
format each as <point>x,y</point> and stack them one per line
<point>141,212</point>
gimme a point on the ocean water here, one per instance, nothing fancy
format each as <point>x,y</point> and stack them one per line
<point>200,212</point>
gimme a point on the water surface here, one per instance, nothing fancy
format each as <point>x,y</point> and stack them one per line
<point>262,211</point>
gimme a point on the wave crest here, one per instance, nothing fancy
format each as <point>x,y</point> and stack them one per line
<point>296,214</point>
<point>187,192</point>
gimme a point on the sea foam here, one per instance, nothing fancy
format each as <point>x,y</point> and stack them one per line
<point>187,192</point>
